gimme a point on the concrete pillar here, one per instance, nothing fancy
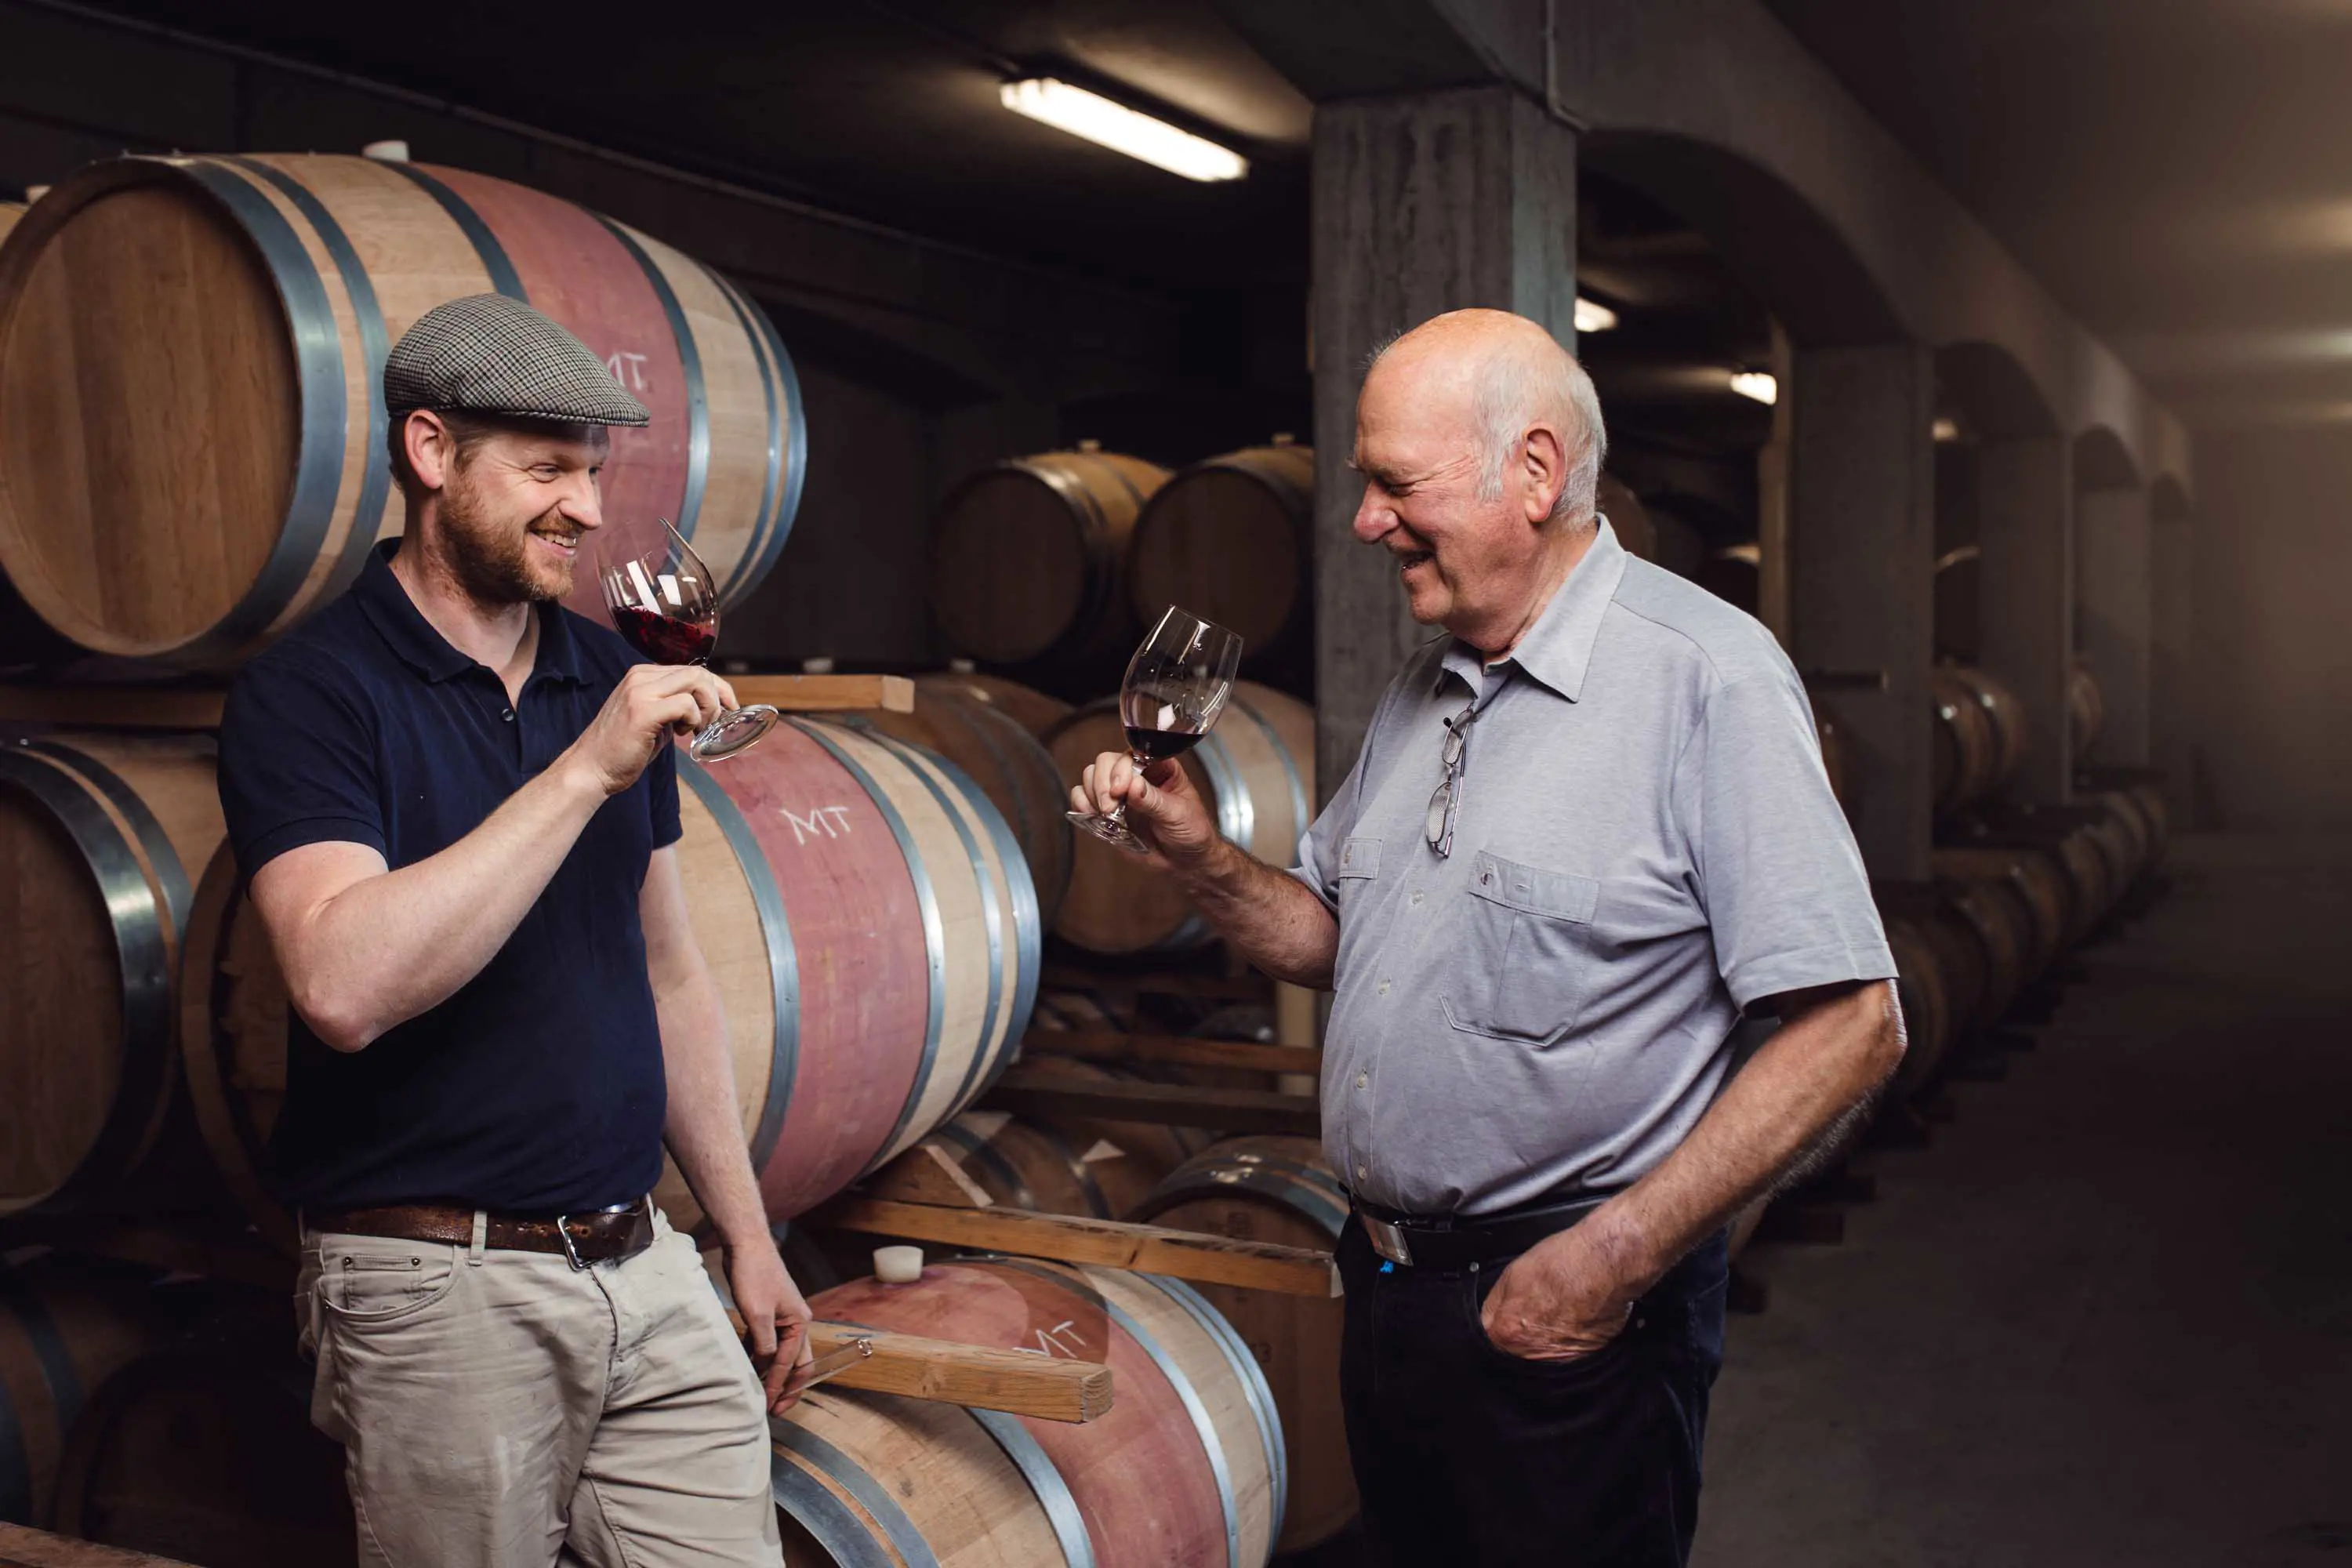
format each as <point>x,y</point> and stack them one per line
<point>1422,203</point>
<point>2025,498</point>
<point>1862,569</point>
<point>2114,564</point>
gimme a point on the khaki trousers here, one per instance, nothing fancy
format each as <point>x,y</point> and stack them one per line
<point>501,1409</point>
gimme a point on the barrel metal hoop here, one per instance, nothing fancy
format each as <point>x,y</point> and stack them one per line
<point>783,960</point>
<point>1028,922</point>
<point>375,483</point>
<point>1302,814</point>
<point>16,1462</point>
<point>492,253</point>
<point>870,1494</point>
<point>141,951</point>
<point>1284,1186</point>
<point>991,916</point>
<point>935,941</point>
<point>796,439</point>
<point>979,1150</point>
<point>848,1543</point>
<point>689,359</point>
<point>1046,1482</point>
<point>32,1317</point>
<point>1237,816</point>
<point>1096,1199</point>
<point>318,468</point>
<point>1254,1388</point>
<point>755,550</point>
<point>1102,563</point>
<point>179,898</point>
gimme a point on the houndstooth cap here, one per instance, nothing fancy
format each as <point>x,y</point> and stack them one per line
<point>487,353</point>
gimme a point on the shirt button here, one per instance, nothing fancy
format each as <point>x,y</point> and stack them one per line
<point>1363,1080</point>
<point>1416,898</point>
<point>507,715</point>
<point>1363,1173</point>
<point>1384,987</point>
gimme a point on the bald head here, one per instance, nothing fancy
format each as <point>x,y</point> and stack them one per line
<point>1480,443</point>
<point>1501,378</point>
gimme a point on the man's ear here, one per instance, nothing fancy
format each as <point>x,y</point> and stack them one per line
<point>1545,463</point>
<point>431,446</point>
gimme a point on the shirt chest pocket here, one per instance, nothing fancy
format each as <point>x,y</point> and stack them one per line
<point>1532,953</point>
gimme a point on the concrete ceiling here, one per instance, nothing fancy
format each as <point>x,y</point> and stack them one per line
<point>2178,171</point>
<point>883,111</point>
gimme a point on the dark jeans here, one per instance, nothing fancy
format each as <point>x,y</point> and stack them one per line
<point>1466,1455</point>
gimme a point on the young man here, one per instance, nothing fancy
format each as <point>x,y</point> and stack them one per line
<point>457,804</point>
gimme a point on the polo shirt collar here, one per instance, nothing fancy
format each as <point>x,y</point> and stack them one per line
<point>1557,650</point>
<point>424,650</point>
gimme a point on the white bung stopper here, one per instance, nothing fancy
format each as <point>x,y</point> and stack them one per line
<point>898,1265</point>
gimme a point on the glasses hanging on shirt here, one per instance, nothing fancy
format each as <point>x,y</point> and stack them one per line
<point>1439,827</point>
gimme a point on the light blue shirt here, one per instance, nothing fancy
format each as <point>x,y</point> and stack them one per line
<point>1644,844</point>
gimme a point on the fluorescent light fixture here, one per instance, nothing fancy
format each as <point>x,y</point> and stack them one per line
<point>1122,129</point>
<point>1591,316</point>
<point>1756,384</point>
<point>1946,430</point>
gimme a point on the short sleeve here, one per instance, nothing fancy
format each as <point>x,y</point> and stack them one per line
<point>1319,848</point>
<point>661,797</point>
<point>296,763</point>
<point>1779,875</point>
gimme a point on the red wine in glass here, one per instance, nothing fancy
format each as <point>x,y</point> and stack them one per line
<point>1176,686</point>
<point>665,603</point>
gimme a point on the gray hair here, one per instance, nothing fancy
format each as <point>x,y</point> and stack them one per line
<point>1516,390</point>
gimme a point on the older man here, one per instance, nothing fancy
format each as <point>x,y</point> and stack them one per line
<point>1589,828</point>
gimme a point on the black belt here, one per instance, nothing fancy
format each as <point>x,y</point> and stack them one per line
<point>1457,1241</point>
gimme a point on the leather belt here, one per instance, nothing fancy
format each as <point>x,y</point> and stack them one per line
<point>1457,1241</point>
<point>597,1236</point>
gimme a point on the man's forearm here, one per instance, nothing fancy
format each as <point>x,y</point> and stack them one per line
<point>705,1125</point>
<point>1814,1073</point>
<point>397,943</point>
<point>1269,918</point>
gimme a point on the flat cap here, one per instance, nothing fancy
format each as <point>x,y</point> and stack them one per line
<point>488,355</point>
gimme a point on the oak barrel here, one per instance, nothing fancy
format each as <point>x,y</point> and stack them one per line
<point>1921,989</point>
<point>966,725</point>
<point>2087,710</point>
<point>1966,750</point>
<point>65,1325</point>
<point>9,213</point>
<point>1185,1470</point>
<point>1231,539</point>
<point>1735,575</point>
<point>1029,558</point>
<point>191,433</point>
<point>1257,771</point>
<point>1996,917</point>
<point>1628,517</point>
<point>208,1456</point>
<point>2003,712</point>
<point>100,835</point>
<point>2039,882</point>
<point>992,1158</point>
<point>1279,1190</point>
<point>1026,705</point>
<point>2091,887</point>
<point>864,910</point>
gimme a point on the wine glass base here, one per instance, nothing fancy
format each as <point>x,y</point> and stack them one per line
<point>736,730</point>
<point>1110,830</point>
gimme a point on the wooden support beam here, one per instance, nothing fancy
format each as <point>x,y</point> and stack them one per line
<point>113,707</point>
<point>1167,1104</point>
<point>1112,1244</point>
<point>23,1548</point>
<point>826,693</point>
<point>1110,1046</point>
<point>1249,986</point>
<point>1020,1383</point>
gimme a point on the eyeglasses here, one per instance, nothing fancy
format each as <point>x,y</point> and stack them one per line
<point>1439,827</point>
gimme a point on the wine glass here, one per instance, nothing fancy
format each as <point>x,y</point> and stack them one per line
<point>1176,686</point>
<point>664,603</point>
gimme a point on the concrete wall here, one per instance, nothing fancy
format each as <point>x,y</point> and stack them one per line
<point>2271,656</point>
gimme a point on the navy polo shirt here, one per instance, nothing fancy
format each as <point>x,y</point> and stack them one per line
<point>538,1087</point>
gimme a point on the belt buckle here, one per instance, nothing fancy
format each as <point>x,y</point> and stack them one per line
<point>1387,1240</point>
<point>564,1234</point>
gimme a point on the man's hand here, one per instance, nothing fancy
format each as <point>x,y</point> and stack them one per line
<point>776,1314</point>
<point>1163,809</point>
<point>653,703</point>
<point>1562,1299</point>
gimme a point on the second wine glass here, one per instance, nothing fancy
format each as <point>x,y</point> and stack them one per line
<point>1176,686</point>
<point>664,603</point>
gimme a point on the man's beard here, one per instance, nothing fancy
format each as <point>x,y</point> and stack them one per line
<point>491,563</point>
